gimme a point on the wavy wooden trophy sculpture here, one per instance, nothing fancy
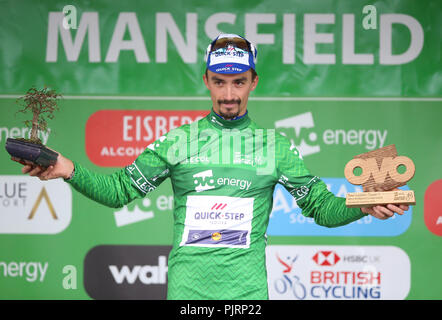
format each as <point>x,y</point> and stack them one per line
<point>379,176</point>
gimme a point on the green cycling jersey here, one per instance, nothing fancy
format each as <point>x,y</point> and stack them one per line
<point>223,175</point>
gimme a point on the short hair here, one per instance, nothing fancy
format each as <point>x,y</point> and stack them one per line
<point>254,74</point>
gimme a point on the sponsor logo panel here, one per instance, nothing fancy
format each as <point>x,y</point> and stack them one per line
<point>300,130</point>
<point>114,138</point>
<point>337,272</point>
<point>143,209</point>
<point>30,206</point>
<point>23,132</point>
<point>432,207</point>
<point>126,272</point>
<point>286,218</point>
<point>30,271</point>
<point>218,221</point>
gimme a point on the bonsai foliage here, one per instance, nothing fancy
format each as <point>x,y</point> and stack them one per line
<point>42,104</point>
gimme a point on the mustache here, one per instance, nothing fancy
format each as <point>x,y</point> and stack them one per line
<point>237,101</point>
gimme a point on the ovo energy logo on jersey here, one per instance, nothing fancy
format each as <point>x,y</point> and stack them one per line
<point>204,181</point>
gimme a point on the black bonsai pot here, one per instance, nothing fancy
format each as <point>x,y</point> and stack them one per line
<point>34,152</point>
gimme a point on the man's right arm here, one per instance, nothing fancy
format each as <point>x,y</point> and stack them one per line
<point>114,190</point>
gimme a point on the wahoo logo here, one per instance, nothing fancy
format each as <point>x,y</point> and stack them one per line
<point>298,130</point>
<point>146,274</point>
<point>204,181</point>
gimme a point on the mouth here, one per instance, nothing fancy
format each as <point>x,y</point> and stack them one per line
<point>229,104</point>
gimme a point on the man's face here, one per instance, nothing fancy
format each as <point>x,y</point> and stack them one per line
<point>230,92</point>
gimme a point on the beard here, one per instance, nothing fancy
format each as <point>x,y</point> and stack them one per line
<point>231,114</point>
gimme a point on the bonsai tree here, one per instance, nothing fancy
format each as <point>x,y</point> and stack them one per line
<point>42,104</point>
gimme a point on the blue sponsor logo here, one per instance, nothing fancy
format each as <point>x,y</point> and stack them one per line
<point>287,220</point>
<point>230,51</point>
<point>217,237</point>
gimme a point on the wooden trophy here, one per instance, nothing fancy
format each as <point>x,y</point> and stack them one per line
<point>379,174</point>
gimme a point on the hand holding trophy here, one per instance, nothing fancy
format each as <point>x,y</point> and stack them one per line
<point>379,174</point>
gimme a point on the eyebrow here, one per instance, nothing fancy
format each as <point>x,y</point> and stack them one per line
<point>215,78</point>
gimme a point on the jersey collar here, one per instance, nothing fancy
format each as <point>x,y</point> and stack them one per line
<point>221,123</point>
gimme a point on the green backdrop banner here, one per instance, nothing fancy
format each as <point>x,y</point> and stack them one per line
<point>339,78</point>
<point>304,48</point>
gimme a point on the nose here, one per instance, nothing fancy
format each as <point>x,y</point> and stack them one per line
<point>228,93</point>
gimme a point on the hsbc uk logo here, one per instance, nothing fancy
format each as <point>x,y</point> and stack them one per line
<point>330,258</point>
<point>301,132</point>
<point>326,258</point>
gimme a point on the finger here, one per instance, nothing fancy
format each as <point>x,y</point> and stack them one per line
<point>378,214</point>
<point>47,174</point>
<point>35,171</point>
<point>396,209</point>
<point>386,211</point>
<point>26,168</point>
<point>404,207</point>
<point>382,212</point>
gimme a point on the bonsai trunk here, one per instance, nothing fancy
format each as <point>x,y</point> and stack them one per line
<point>34,130</point>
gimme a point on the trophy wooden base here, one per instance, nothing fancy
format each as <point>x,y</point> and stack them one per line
<point>370,199</point>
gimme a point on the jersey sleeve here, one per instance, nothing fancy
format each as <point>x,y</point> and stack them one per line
<point>134,181</point>
<point>151,168</point>
<point>310,192</point>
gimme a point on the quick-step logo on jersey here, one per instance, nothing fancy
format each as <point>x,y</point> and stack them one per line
<point>218,221</point>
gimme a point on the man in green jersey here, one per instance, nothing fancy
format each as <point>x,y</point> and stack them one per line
<point>223,170</point>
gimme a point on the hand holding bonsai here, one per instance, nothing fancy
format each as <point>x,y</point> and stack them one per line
<point>63,168</point>
<point>37,159</point>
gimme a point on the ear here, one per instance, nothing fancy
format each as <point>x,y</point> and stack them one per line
<point>206,81</point>
<point>254,83</point>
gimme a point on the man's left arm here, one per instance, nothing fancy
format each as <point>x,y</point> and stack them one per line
<point>331,211</point>
<point>316,202</point>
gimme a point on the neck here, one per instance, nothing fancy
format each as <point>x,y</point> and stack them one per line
<point>235,118</point>
<point>238,122</point>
